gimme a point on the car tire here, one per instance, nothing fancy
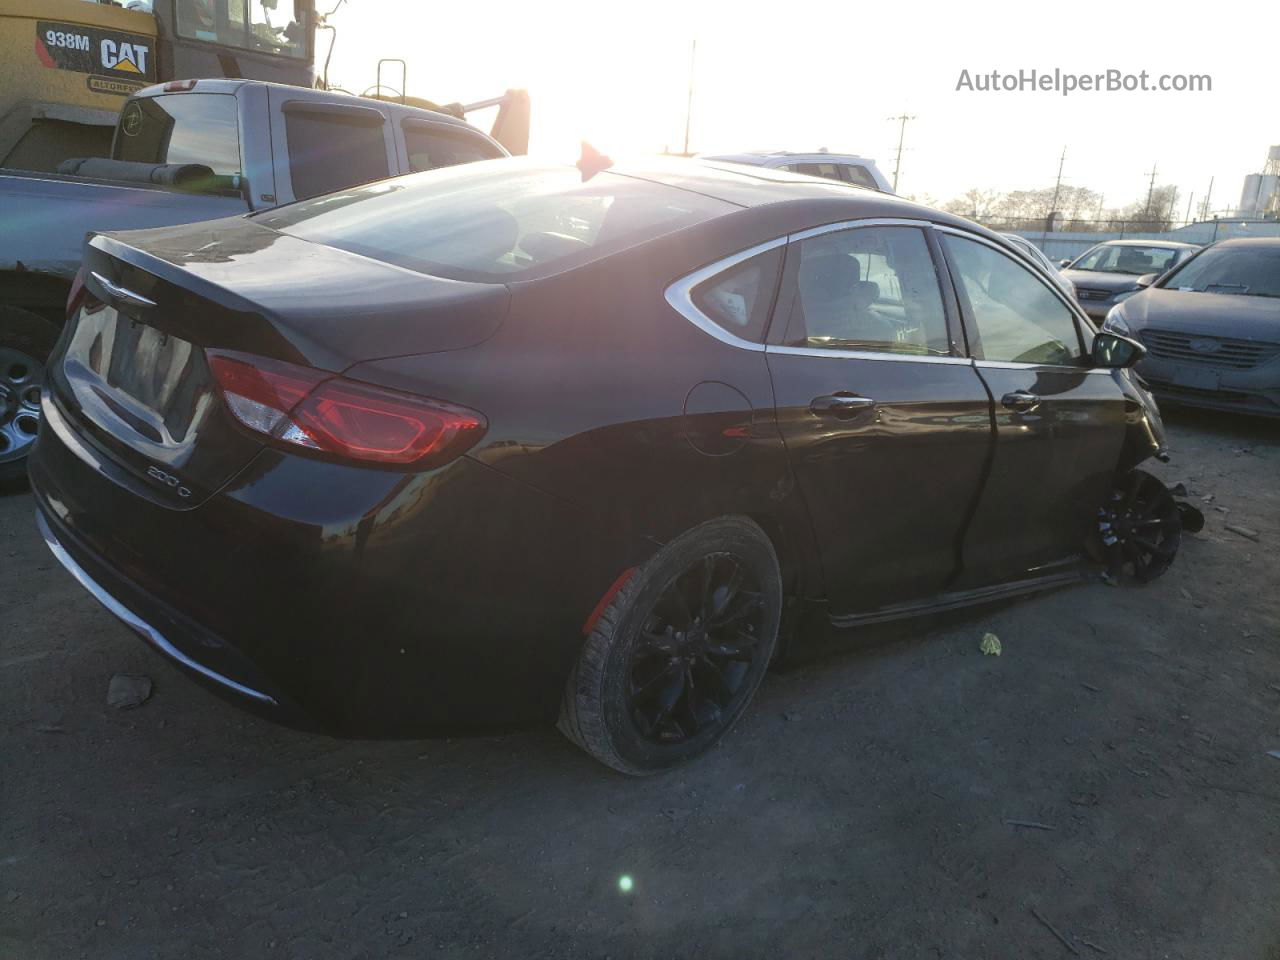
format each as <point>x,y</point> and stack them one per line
<point>26,341</point>
<point>717,660</point>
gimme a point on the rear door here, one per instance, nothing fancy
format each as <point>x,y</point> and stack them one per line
<point>886,424</point>
<point>1060,423</point>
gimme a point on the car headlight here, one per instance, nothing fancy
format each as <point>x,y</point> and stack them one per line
<point>1115,323</point>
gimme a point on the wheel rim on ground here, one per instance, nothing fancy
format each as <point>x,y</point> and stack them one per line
<point>1141,527</point>
<point>20,379</point>
<point>696,648</point>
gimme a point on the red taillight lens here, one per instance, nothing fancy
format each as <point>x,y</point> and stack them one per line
<point>301,407</point>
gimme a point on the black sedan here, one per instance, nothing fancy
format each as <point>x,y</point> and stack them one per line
<point>1212,328</point>
<point>510,443</point>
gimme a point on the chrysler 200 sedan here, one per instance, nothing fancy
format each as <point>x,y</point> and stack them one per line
<point>510,443</point>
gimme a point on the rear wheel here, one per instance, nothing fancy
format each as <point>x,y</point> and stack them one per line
<point>26,340</point>
<point>679,652</point>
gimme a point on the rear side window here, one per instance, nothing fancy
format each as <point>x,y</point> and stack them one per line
<point>198,128</point>
<point>828,171</point>
<point>432,145</point>
<point>739,299</point>
<point>496,221</point>
<point>334,149</point>
<point>868,289</point>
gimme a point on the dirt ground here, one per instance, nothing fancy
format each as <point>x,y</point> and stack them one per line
<point>862,809</point>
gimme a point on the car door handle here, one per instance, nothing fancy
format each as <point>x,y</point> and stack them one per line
<point>843,406</point>
<point>1021,401</point>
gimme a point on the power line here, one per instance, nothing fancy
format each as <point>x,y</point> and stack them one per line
<point>902,132</point>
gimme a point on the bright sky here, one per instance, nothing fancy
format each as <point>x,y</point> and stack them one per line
<point>778,76</point>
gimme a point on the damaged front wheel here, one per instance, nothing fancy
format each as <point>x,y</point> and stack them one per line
<point>1139,529</point>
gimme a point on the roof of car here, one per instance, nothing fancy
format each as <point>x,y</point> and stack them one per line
<point>1264,242</point>
<point>1176,244</point>
<point>758,186</point>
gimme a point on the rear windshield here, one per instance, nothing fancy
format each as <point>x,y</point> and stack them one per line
<point>496,220</point>
<point>198,128</point>
<point>1122,258</point>
<point>1244,271</point>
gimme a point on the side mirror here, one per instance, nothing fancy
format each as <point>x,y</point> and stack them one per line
<point>1113,350</point>
<point>1063,264</point>
<point>1147,280</point>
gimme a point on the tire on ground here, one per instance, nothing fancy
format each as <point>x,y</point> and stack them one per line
<point>33,335</point>
<point>593,713</point>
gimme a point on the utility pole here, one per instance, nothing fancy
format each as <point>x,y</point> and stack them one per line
<point>1204,215</point>
<point>1098,215</point>
<point>1057,189</point>
<point>1150,191</point>
<point>902,132</point>
<point>1172,201</point>
<point>1187,218</point>
<point>688,107</point>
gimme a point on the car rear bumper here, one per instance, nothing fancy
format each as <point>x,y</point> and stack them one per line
<point>340,599</point>
<point>198,652</point>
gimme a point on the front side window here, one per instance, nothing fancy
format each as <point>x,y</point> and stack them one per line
<point>263,26</point>
<point>432,145</point>
<point>740,298</point>
<point>329,152</point>
<point>496,221</point>
<point>872,288</point>
<point>1135,260</point>
<point>1018,318</point>
<point>198,128</point>
<point>1244,271</point>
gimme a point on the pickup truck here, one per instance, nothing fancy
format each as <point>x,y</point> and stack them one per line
<point>185,151</point>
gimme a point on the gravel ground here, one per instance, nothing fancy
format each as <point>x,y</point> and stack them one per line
<point>865,807</point>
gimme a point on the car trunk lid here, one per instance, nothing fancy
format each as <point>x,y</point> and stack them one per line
<point>134,373</point>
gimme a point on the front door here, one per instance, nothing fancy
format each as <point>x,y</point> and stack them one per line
<point>887,427</point>
<point>1060,422</point>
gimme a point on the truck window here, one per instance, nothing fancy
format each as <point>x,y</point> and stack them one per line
<point>853,173</point>
<point>264,26</point>
<point>432,145</point>
<point>329,151</point>
<point>181,128</point>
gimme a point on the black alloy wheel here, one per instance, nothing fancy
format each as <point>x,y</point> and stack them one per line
<point>679,652</point>
<point>696,649</point>
<point>1140,528</point>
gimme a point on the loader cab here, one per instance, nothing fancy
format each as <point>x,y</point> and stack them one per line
<point>272,40</point>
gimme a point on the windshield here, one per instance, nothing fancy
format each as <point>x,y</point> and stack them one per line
<point>1245,271</point>
<point>267,26</point>
<point>1138,261</point>
<point>495,220</point>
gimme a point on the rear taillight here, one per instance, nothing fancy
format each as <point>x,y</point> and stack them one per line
<point>315,410</point>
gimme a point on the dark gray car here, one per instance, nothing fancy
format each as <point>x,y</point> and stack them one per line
<point>1108,273</point>
<point>1212,328</point>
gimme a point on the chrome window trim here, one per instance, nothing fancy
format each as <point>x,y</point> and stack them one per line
<point>865,355</point>
<point>855,224</point>
<point>680,294</point>
<point>135,622</point>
